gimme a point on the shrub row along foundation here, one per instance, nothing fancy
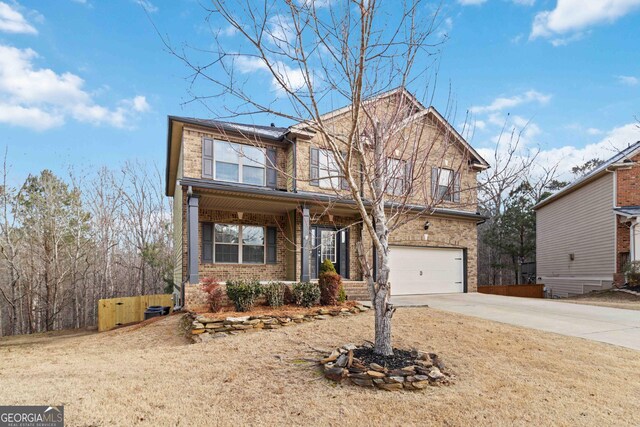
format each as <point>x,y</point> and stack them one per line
<point>421,369</point>
<point>202,327</point>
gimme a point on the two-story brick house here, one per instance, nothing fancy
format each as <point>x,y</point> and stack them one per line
<point>588,231</point>
<point>261,202</point>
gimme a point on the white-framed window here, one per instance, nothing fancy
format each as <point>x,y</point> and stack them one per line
<point>328,247</point>
<point>239,244</point>
<point>396,176</point>
<point>328,170</point>
<point>239,163</point>
<point>445,184</point>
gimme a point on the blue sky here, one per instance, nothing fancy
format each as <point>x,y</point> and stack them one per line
<point>88,82</point>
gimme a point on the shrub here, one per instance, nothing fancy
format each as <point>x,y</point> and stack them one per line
<point>342,295</point>
<point>214,293</point>
<point>330,284</point>
<point>306,294</point>
<point>327,267</point>
<point>274,292</point>
<point>632,273</point>
<point>243,293</point>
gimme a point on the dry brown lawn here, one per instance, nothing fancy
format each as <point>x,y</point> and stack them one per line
<point>607,298</point>
<point>150,376</point>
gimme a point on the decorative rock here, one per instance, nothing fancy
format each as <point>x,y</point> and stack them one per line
<point>237,319</point>
<point>323,311</point>
<point>419,385</point>
<point>395,379</point>
<point>342,360</point>
<point>297,316</point>
<point>362,383</point>
<point>331,358</point>
<point>335,374</point>
<point>360,376</point>
<point>197,325</point>
<point>376,374</point>
<point>214,325</point>
<point>410,369</point>
<point>424,363</point>
<point>435,374</point>
<point>421,378</point>
<point>399,373</point>
<point>389,386</point>
<point>252,322</point>
<point>197,331</point>
<point>344,310</point>
<point>349,346</point>
<point>321,317</point>
<point>242,327</point>
<point>362,307</point>
<point>377,367</point>
<point>274,326</point>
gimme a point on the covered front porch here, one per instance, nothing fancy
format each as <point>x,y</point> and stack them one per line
<point>230,235</point>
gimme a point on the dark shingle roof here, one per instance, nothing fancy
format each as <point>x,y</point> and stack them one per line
<point>270,132</point>
<point>628,210</point>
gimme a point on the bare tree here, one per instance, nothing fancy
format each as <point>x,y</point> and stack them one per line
<point>319,53</point>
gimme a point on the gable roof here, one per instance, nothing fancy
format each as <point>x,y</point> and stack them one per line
<point>274,133</point>
<point>621,159</point>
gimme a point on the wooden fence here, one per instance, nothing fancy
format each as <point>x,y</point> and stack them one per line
<point>114,312</point>
<point>526,291</point>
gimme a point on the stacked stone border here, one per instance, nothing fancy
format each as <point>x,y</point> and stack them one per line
<point>201,327</point>
<point>427,370</point>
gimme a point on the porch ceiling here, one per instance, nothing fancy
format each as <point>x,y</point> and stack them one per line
<point>244,204</point>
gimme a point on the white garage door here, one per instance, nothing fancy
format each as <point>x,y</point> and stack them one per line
<point>426,270</point>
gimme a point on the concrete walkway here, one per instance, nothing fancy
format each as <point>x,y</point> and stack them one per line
<point>610,325</point>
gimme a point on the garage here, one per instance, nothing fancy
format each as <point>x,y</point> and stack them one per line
<point>426,270</point>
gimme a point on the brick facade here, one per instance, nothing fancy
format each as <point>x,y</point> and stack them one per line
<point>627,194</point>
<point>448,232</point>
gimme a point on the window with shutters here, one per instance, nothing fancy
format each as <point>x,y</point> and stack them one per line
<point>228,161</point>
<point>396,176</point>
<point>238,244</point>
<point>328,170</point>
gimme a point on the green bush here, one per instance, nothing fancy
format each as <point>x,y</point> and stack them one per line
<point>330,284</point>
<point>274,293</point>
<point>632,273</point>
<point>306,294</point>
<point>342,295</point>
<point>327,267</point>
<point>243,293</point>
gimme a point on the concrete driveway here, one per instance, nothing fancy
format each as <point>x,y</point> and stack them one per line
<point>611,325</point>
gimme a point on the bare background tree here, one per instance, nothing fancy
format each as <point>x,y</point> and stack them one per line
<point>64,244</point>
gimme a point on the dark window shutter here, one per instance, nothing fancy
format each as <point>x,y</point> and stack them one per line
<point>272,174</point>
<point>434,183</point>
<point>344,253</point>
<point>207,158</point>
<point>313,167</point>
<point>207,242</point>
<point>344,185</point>
<point>408,178</point>
<point>456,187</point>
<point>272,246</point>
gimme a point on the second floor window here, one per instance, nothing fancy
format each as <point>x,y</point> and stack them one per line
<point>445,185</point>
<point>328,170</point>
<point>239,163</point>
<point>396,176</point>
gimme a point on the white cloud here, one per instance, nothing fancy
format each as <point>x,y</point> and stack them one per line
<point>12,21</point>
<point>568,156</point>
<point>524,2</point>
<point>317,3</point>
<point>594,131</point>
<point>292,78</point>
<point>628,80</point>
<point>571,16</point>
<point>502,103</point>
<point>445,27</point>
<point>40,98</point>
<point>147,5</point>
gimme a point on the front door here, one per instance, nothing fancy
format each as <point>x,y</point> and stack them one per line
<point>324,246</point>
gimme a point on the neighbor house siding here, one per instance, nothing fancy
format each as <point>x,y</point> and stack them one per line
<point>581,223</point>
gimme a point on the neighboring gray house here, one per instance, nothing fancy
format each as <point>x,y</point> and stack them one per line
<point>588,231</point>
